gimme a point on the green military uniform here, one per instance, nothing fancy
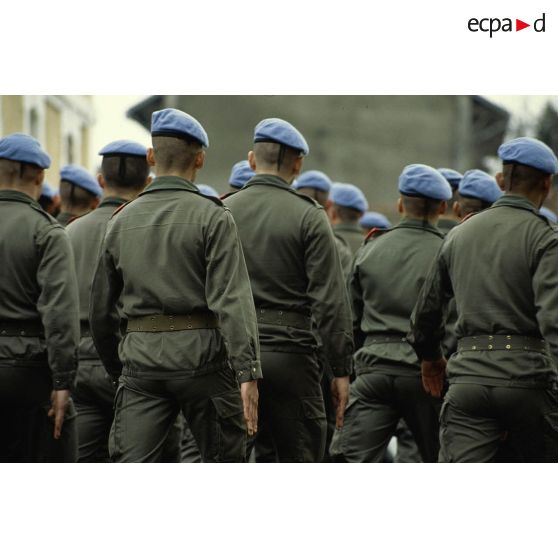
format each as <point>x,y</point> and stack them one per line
<point>296,278</point>
<point>345,255</point>
<point>388,273</point>
<point>65,217</point>
<point>500,265</point>
<point>94,391</point>
<point>445,225</point>
<point>171,263</point>
<point>39,330</point>
<point>350,234</point>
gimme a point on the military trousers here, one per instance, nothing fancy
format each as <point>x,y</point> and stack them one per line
<point>291,407</point>
<point>26,430</point>
<point>94,398</point>
<point>146,409</point>
<point>481,423</point>
<point>377,401</point>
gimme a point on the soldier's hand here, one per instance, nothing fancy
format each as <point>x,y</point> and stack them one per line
<point>59,402</point>
<point>340,396</point>
<point>249,394</point>
<point>433,375</point>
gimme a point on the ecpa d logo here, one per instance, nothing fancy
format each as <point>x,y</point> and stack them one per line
<point>495,24</point>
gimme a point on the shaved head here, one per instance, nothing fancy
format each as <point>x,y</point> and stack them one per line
<point>174,154</point>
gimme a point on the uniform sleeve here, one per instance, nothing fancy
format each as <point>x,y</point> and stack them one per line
<point>103,314</point>
<point>427,320</point>
<point>545,289</point>
<point>328,292</point>
<point>357,304</point>
<point>58,304</point>
<point>229,296</point>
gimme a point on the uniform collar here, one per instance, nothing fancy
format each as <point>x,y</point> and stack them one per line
<point>520,202</point>
<point>170,183</point>
<point>15,195</point>
<point>268,180</point>
<point>112,201</point>
<point>348,227</point>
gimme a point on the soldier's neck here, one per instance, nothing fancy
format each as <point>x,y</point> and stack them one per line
<point>127,195</point>
<point>536,198</point>
<point>189,174</point>
<point>31,190</point>
<point>287,177</point>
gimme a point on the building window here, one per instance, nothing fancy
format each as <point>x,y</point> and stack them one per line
<point>34,123</point>
<point>70,154</point>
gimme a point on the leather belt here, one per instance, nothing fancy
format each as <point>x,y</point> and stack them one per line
<point>502,343</point>
<point>386,338</point>
<point>283,318</point>
<point>21,328</point>
<point>160,322</point>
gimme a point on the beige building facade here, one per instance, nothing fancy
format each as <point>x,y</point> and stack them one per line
<point>62,123</point>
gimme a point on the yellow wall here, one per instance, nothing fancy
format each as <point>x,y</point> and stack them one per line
<point>12,114</point>
<point>53,142</point>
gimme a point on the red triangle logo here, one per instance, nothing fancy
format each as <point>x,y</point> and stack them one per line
<point>519,25</point>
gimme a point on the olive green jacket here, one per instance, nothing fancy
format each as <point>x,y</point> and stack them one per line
<point>64,217</point>
<point>352,235</point>
<point>37,284</point>
<point>345,255</point>
<point>86,235</point>
<point>294,266</point>
<point>174,251</point>
<point>501,265</point>
<point>445,225</point>
<point>387,277</point>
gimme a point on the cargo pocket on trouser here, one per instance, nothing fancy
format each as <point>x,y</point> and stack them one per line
<point>550,434</point>
<point>312,428</point>
<point>115,436</point>
<point>229,429</point>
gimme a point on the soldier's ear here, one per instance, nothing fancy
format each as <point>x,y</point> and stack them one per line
<point>150,157</point>
<point>297,167</point>
<point>101,181</point>
<point>199,160</point>
<point>547,185</point>
<point>252,160</point>
<point>499,176</point>
<point>400,205</point>
<point>443,208</point>
<point>457,209</point>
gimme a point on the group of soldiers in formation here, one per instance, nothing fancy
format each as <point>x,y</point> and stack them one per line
<point>152,320</point>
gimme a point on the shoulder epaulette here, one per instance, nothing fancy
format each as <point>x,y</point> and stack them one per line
<point>36,206</point>
<point>375,233</point>
<point>211,198</point>
<point>228,194</point>
<point>305,197</point>
<point>120,208</point>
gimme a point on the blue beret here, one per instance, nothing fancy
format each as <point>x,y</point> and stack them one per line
<point>207,190</point>
<point>372,219</point>
<point>477,184</point>
<point>124,148</point>
<point>550,215</point>
<point>275,130</point>
<point>348,195</point>
<point>175,123</point>
<point>425,182</point>
<point>48,191</point>
<point>452,176</point>
<point>24,149</point>
<point>530,152</point>
<point>80,177</point>
<point>240,174</point>
<point>313,179</point>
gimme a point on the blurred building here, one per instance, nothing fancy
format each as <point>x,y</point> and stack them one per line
<point>366,140</point>
<point>62,123</point>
